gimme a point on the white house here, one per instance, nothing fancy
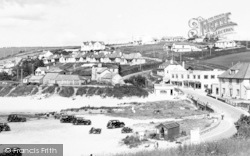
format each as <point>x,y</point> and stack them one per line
<point>235,82</point>
<point>45,70</point>
<point>92,45</point>
<point>225,44</point>
<point>45,54</point>
<point>184,47</point>
<point>168,66</point>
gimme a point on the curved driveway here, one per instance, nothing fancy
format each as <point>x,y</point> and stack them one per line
<point>231,114</point>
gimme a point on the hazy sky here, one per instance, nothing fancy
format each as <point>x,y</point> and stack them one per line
<point>69,22</point>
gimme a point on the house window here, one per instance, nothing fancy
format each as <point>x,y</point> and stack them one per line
<point>238,92</point>
<point>182,76</point>
<point>199,76</point>
<point>237,81</point>
<point>194,76</point>
<point>176,76</point>
<point>212,77</point>
<point>223,90</point>
<point>230,81</point>
<point>223,80</point>
<point>172,75</point>
<point>188,76</point>
<point>205,76</point>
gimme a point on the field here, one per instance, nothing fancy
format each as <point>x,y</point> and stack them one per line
<point>229,60</point>
<point>161,109</point>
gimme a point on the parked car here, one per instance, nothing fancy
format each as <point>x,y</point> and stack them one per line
<point>127,130</point>
<point>16,118</point>
<point>81,121</point>
<point>67,118</point>
<point>4,127</point>
<point>115,124</point>
<point>95,130</point>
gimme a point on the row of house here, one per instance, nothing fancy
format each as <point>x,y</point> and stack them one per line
<point>189,46</point>
<point>92,46</point>
<point>233,83</point>
<point>101,57</point>
<point>55,75</point>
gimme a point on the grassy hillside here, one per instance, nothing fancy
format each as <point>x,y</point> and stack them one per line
<point>227,147</point>
<point>229,60</point>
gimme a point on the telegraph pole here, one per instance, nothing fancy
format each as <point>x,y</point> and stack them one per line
<point>17,75</point>
<point>22,76</point>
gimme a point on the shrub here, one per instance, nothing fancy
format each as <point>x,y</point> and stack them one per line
<point>81,91</point>
<point>22,90</point>
<point>67,91</point>
<point>5,90</point>
<point>50,89</point>
<point>132,141</point>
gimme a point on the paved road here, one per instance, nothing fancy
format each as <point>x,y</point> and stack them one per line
<point>226,128</point>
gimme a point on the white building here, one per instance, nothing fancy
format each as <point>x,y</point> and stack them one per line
<point>185,47</point>
<point>225,44</point>
<point>45,54</point>
<point>164,89</point>
<point>235,82</point>
<point>167,67</point>
<point>92,46</point>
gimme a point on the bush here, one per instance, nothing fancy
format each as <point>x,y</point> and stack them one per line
<point>132,141</point>
<point>67,91</point>
<point>81,91</point>
<point>22,90</point>
<point>5,90</point>
<point>50,90</point>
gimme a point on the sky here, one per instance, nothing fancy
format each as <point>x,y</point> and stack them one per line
<point>70,22</point>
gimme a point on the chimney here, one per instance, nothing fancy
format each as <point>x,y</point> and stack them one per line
<point>171,61</point>
<point>183,64</point>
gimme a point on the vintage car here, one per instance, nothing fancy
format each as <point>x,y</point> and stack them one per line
<point>67,118</point>
<point>115,124</point>
<point>16,118</point>
<point>95,130</point>
<point>4,127</point>
<point>127,130</point>
<point>81,121</point>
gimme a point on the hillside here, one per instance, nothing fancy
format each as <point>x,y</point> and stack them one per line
<point>229,60</point>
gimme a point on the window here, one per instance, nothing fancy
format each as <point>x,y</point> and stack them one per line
<point>212,77</point>
<point>182,76</point>
<point>188,76</point>
<point>199,76</point>
<point>223,80</point>
<point>205,77</point>
<point>237,81</point>
<point>194,76</point>
<point>176,76</point>
<point>230,81</point>
<point>238,92</point>
<point>172,75</point>
<point>223,91</point>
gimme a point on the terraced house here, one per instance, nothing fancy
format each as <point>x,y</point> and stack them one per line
<point>92,46</point>
<point>235,82</point>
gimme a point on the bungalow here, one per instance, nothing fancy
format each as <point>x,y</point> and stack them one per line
<point>92,46</point>
<point>50,78</point>
<point>48,69</point>
<point>223,44</point>
<point>185,47</point>
<point>165,68</point>
<point>45,54</point>
<point>36,79</point>
<point>69,80</point>
<point>164,89</point>
<point>133,59</point>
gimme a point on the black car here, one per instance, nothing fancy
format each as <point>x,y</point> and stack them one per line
<point>11,151</point>
<point>127,130</point>
<point>95,130</point>
<point>115,124</point>
<point>81,121</point>
<point>4,127</point>
<point>67,118</point>
<point>16,118</point>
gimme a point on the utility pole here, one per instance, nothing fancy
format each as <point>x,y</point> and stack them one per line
<point>22,76</point>
<point>17,75</point>
<point>180,57</point>
<point>32,68</point>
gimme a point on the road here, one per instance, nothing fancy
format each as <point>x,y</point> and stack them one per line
<point>231,114</point>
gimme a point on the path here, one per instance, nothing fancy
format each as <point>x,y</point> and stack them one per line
<point>226,128</point>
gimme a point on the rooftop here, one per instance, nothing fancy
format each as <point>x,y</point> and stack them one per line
<point>238,71</point>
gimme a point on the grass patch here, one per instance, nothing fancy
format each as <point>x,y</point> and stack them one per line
<point>161,109</point>
<point>22,90</point>
<point>50,90</point>
<point>6,90</point>
<point>67,91</point>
